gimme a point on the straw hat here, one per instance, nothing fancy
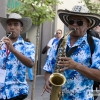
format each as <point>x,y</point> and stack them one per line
<point>79,10</point>
<point>27,22</point>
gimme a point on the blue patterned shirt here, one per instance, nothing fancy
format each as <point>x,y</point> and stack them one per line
<point>77,86</point>
<point>15,81</point>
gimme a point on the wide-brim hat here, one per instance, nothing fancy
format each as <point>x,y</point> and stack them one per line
<point>79,10</point>
<point>26,21</point>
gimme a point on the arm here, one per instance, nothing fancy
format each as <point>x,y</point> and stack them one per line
<point>47,83</point>
<point>47,86</point>
<point>47,75</point>
<point>22,58</point>
<point>25,60</point>
<point>48,67</point>
<point>48,48</point>
<point>91,73</point>
<point>50,43</point>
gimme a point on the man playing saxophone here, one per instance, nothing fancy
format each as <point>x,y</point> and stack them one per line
<point>81,68</point>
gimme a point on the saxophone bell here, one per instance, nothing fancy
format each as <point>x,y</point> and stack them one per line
<point>57,80</point>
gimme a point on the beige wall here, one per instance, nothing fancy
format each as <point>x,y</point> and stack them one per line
<point>32,34</point>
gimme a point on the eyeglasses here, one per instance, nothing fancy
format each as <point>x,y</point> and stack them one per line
<point>72,21</point>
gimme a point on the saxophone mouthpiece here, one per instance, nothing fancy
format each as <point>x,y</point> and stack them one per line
<point>74,29</point>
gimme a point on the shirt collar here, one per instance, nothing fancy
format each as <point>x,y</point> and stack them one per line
<point>78,42</point>
<point>19,41</point>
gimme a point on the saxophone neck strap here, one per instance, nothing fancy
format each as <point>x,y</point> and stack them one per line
<point>90,42</point>
<point>69,52</point>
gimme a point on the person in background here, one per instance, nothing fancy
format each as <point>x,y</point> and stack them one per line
<point>15,55</point>
<point>78,69</point>
<point>97,29</point>
<point>30,70</point>
<point>58,36</point>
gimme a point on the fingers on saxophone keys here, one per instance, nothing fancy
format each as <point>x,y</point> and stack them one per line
<point>61,62</point>
<point>63,66</point>
<point>62,69</point>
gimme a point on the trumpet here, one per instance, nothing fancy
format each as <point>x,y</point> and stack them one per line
<point>7,35</point>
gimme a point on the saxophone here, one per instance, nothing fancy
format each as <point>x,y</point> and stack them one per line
<point>57,79</point>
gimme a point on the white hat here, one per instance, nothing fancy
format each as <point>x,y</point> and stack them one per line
<point>79,10</point>
<point>27,22</point>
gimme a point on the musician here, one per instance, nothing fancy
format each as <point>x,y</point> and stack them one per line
<point>58,36</point>
<point>97,29</point>
<point>15,55</point>
<point>80,73</point>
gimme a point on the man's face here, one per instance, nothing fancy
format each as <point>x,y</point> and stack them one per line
<point>58,34</point>
<point>97,29</point>
<point>15,27</point>
<point>80,23</point>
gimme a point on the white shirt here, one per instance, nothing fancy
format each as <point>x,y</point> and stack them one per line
<point>50,44</point>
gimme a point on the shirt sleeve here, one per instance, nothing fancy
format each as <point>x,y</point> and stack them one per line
<point>50,42</point>
<point>96,55</point>
<point>30,51</point>
<point>51,60</point>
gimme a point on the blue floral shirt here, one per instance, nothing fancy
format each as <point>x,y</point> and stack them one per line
<point>15,81</point>
<point>77,86</point>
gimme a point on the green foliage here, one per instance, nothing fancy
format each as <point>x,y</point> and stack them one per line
<point>39,10</point>
<point>94,7</point>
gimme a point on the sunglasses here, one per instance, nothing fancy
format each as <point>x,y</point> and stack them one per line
<point>58,33</point>
<point>72,21</point>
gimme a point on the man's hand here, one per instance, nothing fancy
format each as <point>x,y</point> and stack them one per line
<point>8,43</point>
<point>66,63</point>
<point>47,87</point>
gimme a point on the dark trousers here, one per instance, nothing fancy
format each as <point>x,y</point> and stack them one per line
<point>20,97</point>
<point>95,86</point>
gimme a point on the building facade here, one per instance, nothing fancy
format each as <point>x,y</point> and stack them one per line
<point>3,8</point>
